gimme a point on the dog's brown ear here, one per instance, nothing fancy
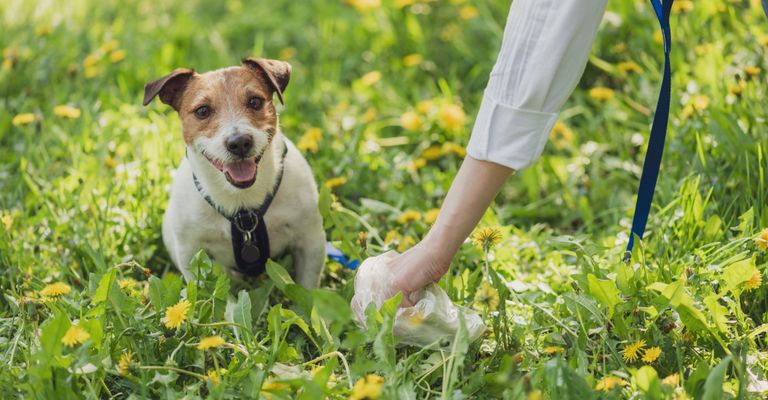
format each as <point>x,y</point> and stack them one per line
<point>277,73</point>
<point>169,87</point>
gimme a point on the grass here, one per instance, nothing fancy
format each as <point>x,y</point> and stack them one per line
<point>83,189</point>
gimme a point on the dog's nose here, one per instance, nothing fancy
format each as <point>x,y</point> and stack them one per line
<point>239,144</point>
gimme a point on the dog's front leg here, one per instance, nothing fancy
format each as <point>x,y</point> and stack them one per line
<point>309,257</point>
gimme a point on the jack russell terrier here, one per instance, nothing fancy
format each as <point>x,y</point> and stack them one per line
<point>243,193</point>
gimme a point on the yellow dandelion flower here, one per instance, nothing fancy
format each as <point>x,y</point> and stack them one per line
<point>553,349</point>
<point>412,60</point>
<point>335,182</point>
<point>487,297</point>
<point>213,376</point>
<point>468,12</point>
<point>75,335</point>
<point>628,67</point>
<point>410,121</point>
<point>109,46</point>
<point>176,314</point>
<point>90,72</point>
<point>309,140</point>
<point>534,395</point>
<point>23,119</point>
<point>672,380</point>
<point>738,88</point>
<point>763,40</point>
<point>700,102</point>
<point>406,243</point>
<point>110,162</point>
<point>392,237</point>
<point>7,221</point>
<point>451,116</point>
<point>682,6</point>
<point>610,382</point>
<point>454,148</point>
<point>632,351</point>
<point>409,216</point>
<point>369,115</point>
<point>432,153</point>
<point>487,237</point>
<point>124,365</point>
<point>601,93</point>
<point>364,5</point>
<point>754,281</point>
<point>210,342</point>
<point>651,354</point>
<point>658,37</point>
<point>117,56</point>
<point>287,53</point>
<point>430,216</point>
<point>561,135</point>
<point>371,78</point>
<point>416,164</point>
<point>127,283</point>
<point>424,106</point>
<point>752,70</point>
<point>66,111</point>
<point>368,388</point>
<point>762,240</point>
<point>91,60</point>
<point>56,289</point>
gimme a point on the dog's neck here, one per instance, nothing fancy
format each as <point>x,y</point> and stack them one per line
<point>229,198</point>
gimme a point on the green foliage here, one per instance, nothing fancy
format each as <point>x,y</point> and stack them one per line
<point>381,102</point>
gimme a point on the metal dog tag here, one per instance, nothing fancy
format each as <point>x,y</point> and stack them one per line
<point>250,252</point>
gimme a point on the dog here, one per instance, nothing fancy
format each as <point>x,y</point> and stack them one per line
<point>243,189</point>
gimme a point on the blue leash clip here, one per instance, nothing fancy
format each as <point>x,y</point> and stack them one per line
<point>336,255</point>
<point>653,156</point>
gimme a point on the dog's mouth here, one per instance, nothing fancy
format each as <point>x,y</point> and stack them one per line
<point>240,173</point>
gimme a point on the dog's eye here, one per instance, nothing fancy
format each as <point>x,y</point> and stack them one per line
<point>256,103</point>
<point>203,112</point>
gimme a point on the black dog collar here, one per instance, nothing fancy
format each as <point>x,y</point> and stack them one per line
<point>250,241</point>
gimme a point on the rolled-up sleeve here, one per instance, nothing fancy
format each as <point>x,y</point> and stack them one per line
<point>543,54</point>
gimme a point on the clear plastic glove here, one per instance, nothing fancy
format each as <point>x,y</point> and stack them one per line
<point>433,318</point>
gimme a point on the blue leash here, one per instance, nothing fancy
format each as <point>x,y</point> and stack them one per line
<point>658,135</point>
<point>336,255</point>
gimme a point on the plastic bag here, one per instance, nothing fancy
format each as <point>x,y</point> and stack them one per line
<point>433,319</point>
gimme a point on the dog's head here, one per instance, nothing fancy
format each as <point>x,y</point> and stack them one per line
<point>227,115</point>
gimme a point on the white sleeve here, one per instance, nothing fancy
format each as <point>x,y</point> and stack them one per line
<point>543,55</point>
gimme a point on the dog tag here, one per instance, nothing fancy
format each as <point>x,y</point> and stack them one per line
<point>250,253</point>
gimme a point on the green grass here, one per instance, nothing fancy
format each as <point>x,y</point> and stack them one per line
<point>82,201</point>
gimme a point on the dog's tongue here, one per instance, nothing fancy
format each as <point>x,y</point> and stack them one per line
<point>241,171</point>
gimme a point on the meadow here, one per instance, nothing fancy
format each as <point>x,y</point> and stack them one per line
<point>381,102</point>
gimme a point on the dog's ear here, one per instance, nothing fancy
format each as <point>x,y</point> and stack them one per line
<point>277,73</point>
<point>169,87</point>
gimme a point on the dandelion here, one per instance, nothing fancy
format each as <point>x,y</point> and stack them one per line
<point>91,60</point>
<point>682,6</point>
<point>392,237</point>
<point>408,216</point>
<point>671,380</point>
<point>335,182</point>
<point>487,237</point>
<point>454,148</point>
<point>410,121</point>
<point>55,289</point>
<point>368,388</point>
<point>632,351</point>
<point>90,72</point>
<point>110,162</point>
<point>754,281</point>
<point>752,70</point>
<point>7,221</point>
<point>412,60</point>
<point>370,115</point>
<point>468,12</point>
<point>23,119</point>
<point>406,243</point>
<point>487,297</point>
<point>628,67</point>
<point>738,88</point>
<point>309,140</point>
<point>652,354</point>
<point>371,78</point>
<point>432,153</point>
<point>430,216</point>
<point>210,342</point>
<point>109,46</point>
<point>66,111</point>
<point>176,314</point>
<point>553,349</point>
<point>117,56</point>
<point>610,382</point>
<point>762,240</point>
<point>601,93</point>
<point>658,37</point>
<point>127,283</point>
<point>534,395</point>
<point>124,365</point>
<point>213,376</point>
<point>561,134</point>
<point>451,116</point>
<point>416,165</point>
<point>763,40</point>
<point>364,5</point>
<point>75,335</point>
<point>424,106</point>
<point>700,102</point>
